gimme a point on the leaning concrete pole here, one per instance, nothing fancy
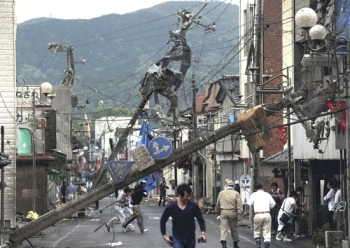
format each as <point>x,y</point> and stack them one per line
<point>69,208</point>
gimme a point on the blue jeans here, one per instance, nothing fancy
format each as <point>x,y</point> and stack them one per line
<point>189,242</point>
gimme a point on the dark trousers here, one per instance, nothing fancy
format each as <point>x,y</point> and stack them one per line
<point>274,216</point>
<point>160,200</point>
<point>286,228</point>
<point>330,219</point>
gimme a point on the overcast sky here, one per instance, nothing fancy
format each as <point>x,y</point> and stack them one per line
<point>80,9</point>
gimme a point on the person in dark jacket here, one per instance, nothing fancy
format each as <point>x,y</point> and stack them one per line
<point>162,189</point>
<point>183,213</point>
<point>64,192</point>
<point>136,198</point>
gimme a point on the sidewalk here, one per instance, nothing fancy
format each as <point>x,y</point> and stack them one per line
<point>247,240</point>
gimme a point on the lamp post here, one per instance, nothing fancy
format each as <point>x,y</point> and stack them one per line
<point>316,34</point>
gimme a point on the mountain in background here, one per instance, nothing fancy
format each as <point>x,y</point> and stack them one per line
<point>119,49</point>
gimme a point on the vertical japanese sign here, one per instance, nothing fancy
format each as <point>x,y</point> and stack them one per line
<point>92,149</point>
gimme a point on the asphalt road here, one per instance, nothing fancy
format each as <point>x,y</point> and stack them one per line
<point>80,232</point>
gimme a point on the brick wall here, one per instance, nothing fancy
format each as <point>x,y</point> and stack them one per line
<point>272,62</point>
<point>7,103</point>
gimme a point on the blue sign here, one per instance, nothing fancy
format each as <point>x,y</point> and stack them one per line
<point>118,169</point>
<point>160,148</point>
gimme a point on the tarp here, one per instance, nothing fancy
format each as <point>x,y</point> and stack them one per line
<point>151,181</point>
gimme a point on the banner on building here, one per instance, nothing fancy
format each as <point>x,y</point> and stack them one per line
<point>283,134</point>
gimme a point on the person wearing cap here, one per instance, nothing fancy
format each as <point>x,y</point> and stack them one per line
<point>262,203</point>
<point>226,180</point>
<point>136,198</point>
<point>229,205</point>
<point>237,187</point>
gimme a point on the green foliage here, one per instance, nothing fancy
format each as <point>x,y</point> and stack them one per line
<point>110,111</point>
<point>319,237</point>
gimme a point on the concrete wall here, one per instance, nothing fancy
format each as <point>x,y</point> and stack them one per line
<point>8,103</point>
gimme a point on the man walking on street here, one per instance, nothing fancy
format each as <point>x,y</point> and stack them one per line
<point>229,205</point>
<point>330,198</point>
<point>183,211</point>
<point>278,197</point>
<point>122,201</point>
<point>162,195</point>
<point>64,192</point>
<point>70,192</point>
<point>262,202</point>
<point>136,197</point>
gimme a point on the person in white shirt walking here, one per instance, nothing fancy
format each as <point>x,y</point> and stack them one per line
<point>262,203</point>
<point>330,198</point>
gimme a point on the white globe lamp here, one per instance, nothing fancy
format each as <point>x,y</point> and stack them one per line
<point>46,88</point>
<point>318,32</point>
<point>306,18</point>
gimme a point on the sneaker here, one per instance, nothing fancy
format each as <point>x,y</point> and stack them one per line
<point>299,235</point>
<point>124,229</point>
<point>108,228</point>
<point>144,230</point>
<point>278,237</point>
<point>129,229</point>
<point>287,240</point>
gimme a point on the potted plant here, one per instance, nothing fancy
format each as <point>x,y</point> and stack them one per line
<point>319,238</point>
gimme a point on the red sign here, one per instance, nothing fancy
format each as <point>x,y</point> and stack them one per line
<point>283,134</point>
<point>340,116</point>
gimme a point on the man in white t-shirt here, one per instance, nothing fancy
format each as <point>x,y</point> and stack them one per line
<point>263,203</point>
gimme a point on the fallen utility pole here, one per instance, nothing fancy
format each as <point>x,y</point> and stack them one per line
<point>69,208</point>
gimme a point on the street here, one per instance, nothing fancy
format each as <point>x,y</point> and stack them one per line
<point>79,232</point>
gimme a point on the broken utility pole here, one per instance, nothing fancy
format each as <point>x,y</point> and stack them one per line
<point>69,208</point>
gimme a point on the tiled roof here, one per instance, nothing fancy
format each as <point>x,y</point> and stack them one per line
<point>279,157</point>
<point>230,87</point>
<point>199,102</point>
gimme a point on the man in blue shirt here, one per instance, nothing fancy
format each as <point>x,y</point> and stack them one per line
<point>71,192</point>
<point>183,211</point>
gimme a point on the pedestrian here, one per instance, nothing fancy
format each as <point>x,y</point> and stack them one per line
<point>262,203</point>
<point>162,188</point>
<point>229,205</point>
<point>137,196</point>
<point>330,198</point>
<point>57,193</point>
<point>71,192</point>
<point>337,200</point>
<point>298,219</point>
<point>226,180</point>
<point>122,200</point>
<point>287,209</point>
<point>237,187</point>
<point>128,208</point>
<point>64,192</point>
<point>278,196</point>
<point>89,185</point>
<point>183,211</point>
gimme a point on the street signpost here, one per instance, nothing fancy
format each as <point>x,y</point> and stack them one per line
<point>160,148</point>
